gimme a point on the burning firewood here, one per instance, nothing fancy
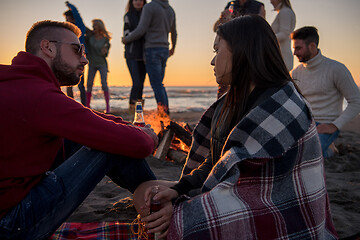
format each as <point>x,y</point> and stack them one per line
<point>181,133</point>
<point>164,144</point>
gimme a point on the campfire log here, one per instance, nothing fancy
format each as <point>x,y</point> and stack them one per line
<point>164,145</point>
<point>177,155</point>
<point>181,133</point>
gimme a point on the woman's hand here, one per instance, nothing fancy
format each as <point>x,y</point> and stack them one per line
<point>159,221</point>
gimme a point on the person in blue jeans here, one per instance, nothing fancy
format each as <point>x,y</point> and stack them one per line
<point>134,53</point>
<point>156,22</point>
<point>53,149</point>
<point>72,15</point>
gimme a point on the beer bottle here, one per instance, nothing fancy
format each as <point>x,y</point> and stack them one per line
<point>155,205</point>
<point>139,115</point>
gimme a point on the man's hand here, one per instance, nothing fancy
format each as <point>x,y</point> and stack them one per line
<point>123,40</point>
<point>171,52</point>
<point>147,129</point>
<point>328,128</point>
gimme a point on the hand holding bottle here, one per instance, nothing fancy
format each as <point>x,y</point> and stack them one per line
<point>159,221</point>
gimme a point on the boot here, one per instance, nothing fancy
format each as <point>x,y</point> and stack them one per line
<point>88,99</point>
<point>107,101</point>
<point>132,108</point>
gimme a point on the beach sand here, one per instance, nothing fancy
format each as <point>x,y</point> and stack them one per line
<point>108,202</point>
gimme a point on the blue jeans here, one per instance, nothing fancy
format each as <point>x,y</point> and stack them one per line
<point>326,140</point>
<point>103,75</point>
<point>138,72</point>
<point>155,66</point>
<point>62,190</point>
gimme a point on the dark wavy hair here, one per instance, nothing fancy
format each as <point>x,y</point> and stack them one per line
<point>130,6</point>
<point>256,59</point>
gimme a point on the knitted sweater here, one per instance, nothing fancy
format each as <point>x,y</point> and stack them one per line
<point>324,83</point>
<point>283,25</point>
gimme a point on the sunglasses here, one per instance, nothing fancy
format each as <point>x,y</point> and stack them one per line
<point>79,50</point>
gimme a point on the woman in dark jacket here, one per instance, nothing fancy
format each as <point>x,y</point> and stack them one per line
<point>134,52</point>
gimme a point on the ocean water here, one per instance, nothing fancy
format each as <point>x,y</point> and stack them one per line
<point>181,99</point>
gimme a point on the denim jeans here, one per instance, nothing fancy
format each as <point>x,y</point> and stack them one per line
<point>103,75</point>
<point>138,72</point>
<point>326,140</point>
<point>155,66</point>
<point>62,190</point>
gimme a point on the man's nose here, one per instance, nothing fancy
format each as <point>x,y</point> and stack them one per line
<point>84,60</point>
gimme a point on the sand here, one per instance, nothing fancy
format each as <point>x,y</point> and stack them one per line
<point>108,202</point>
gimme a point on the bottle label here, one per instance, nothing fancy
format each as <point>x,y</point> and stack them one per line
<point>139,124</point>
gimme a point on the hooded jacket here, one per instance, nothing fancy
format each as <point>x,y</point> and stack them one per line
<point>156,21</point>
<point>36,116</point>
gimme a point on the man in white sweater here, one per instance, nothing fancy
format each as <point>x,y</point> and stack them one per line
<point>324,83</point>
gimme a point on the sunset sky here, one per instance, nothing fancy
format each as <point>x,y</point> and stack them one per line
<point>338,23</point>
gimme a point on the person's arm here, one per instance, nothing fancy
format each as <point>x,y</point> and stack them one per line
<point>66,118</point>
<point>142,27</point>
<point>284,17</point>
<point>346,85</point>
<point>78,20</point>
<point>195,179</point>
<point>126,25</point>
<point>173,33</point>
<point>105,48</point>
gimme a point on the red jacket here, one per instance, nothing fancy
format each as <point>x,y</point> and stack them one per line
<point>35,117</point>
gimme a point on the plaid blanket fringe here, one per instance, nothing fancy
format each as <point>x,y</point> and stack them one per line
<point>99,230</point>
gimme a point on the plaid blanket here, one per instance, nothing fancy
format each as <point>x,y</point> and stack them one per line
<point>269,182</point>
<point>96,230</point>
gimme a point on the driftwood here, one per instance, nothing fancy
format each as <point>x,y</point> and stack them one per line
<point>177,155</point>
<point>164,145</point>
<point>181,133</point>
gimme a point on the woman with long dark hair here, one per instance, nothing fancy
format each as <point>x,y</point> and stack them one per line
<point>255,153</point>
<point>134,52</point>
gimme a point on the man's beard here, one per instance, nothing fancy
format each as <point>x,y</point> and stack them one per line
<point>63,72</point>
<point>306,57</point>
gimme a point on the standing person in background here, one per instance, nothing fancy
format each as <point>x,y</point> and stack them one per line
<point>156,22</point>
<point>134,52</point>
<point>324,83</point>
<point>73,16</point>
<point>240,8</point>
<point>283,26</point>
<point>98,42</point>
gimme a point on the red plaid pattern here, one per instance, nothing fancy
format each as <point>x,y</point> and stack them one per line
<point>97,230</point>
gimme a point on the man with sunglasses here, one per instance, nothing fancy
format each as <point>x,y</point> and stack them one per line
<point>45,169</point>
